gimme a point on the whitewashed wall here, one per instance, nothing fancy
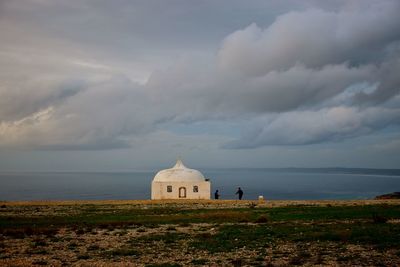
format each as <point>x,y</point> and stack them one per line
<point>159,190</point>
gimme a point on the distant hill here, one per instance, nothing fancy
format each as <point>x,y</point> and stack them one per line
<point>395,195</point>
<point>334,170</point>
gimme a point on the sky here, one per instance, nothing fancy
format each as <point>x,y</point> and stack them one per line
<point>129,85</point>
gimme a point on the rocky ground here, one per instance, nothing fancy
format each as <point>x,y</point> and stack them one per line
<point>228,233</point>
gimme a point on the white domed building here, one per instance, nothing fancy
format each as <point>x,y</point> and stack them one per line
<point>180,182</point>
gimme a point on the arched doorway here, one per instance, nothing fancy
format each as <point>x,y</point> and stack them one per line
<point>182,192</point>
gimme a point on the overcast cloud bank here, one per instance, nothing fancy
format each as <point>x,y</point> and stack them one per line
<point>312,76</point>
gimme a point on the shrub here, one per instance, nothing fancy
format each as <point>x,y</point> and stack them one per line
<point>39,243</point>
<point>124,252</point>
<point>171,228</point>
<point>80,231</point>
<point>376,218</point>
<point>237,262</point>
<point>83,257</point>
<point>252,205</point>
<point>29,231</point>
<point>199,261</point>
<point>40,262</point>
<point>262,219</point>
<point>39,251</point>
<point>296,260</point>
<point>72,245</point>
<point>14,233</point>
<point>167,238</point>
<point>164,265</point>
<point>93,247</point>
<point>244,220</point>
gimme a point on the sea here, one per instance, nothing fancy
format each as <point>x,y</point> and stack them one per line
<point>273,184</point>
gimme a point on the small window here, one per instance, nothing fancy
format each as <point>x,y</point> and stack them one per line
<point>169,188</point>
<point>195,189</point>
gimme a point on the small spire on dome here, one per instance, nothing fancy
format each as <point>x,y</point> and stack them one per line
<point>179,164</point>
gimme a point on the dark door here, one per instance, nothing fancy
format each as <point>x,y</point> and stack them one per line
<point>182,192</point>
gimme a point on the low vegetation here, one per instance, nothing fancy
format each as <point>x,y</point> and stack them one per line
<point>201,234</point>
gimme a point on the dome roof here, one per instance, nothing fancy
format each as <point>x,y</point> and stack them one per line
<point>179,173</point>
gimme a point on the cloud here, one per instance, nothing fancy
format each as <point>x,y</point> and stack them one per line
<point>311,127</point>
<point>311,76</point>
<point>21,99</point>
<point>297,87</point>
<point>308,59</point>
<point>98,117</point>
<point>315,38</point>
<point>389,83</point>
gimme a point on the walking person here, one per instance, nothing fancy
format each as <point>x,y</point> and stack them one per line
<point>216,195</point>
<point>240,193</point>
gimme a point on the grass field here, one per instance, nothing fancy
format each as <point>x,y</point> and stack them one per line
<point>190,233</point>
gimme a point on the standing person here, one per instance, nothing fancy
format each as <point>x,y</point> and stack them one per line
<point>240,193</point>
<point>216,195</point>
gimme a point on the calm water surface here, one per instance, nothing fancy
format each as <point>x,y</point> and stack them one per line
<point>271,183</point>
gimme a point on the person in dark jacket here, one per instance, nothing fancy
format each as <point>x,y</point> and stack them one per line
<point>240,193</point>
<point>216,195</point>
